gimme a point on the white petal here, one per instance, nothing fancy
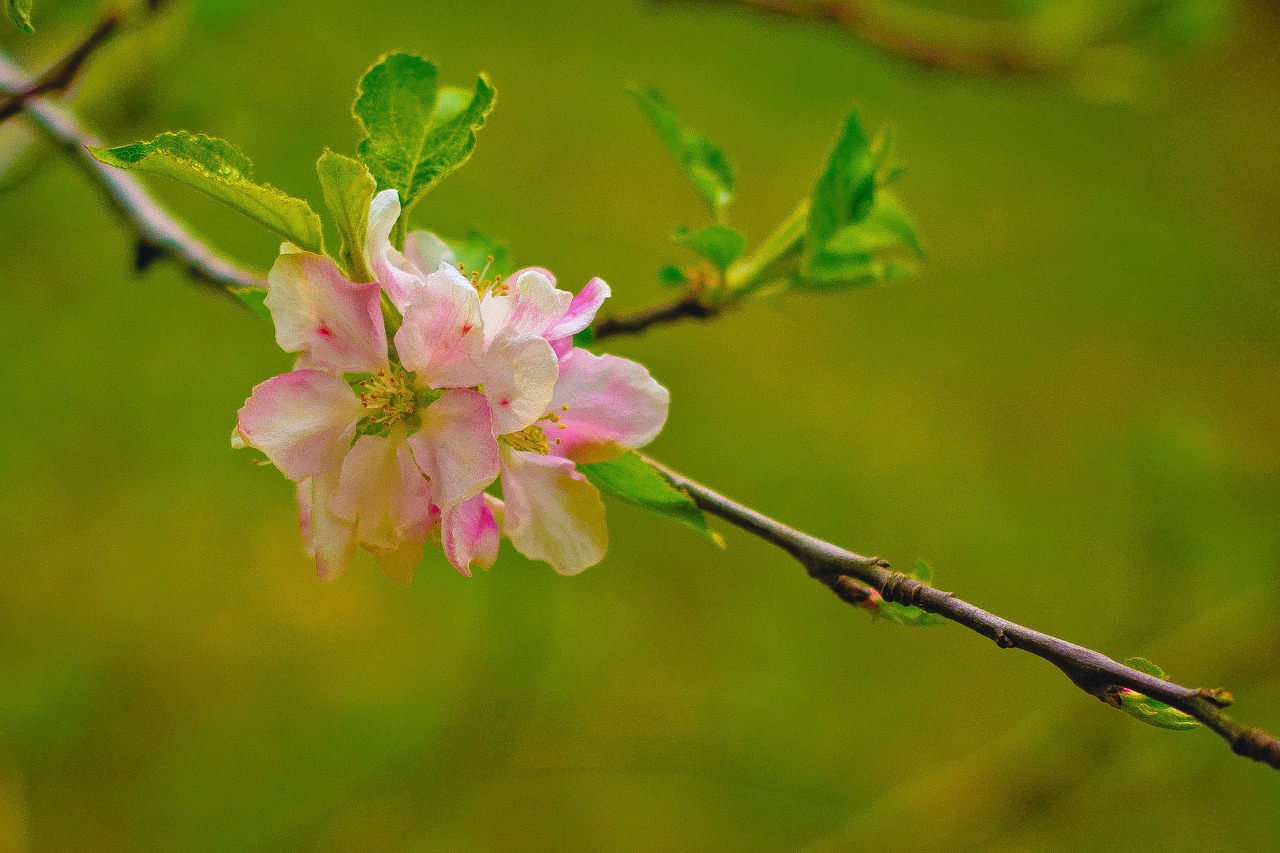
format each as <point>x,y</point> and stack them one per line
<point>552,512</point>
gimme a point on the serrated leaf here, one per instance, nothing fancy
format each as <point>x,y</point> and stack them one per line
<point>348,190</point>
<point>1152,711</point>
<point>1155,713</point>
<point>19,12</point>
<point>1144,665</point>
<point>253,298</point>
<point>632,479</point>
<point>910,616</point>
<point>415,132</point>
<point>854,227</point>
<point>719,244</point>
<point>221,170</point>
<point>703,162</point>
<point>845,191</point>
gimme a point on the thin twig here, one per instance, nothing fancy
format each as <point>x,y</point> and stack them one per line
<point>688,307</point>
<point>852,576</point>
<point>59,76</point>
<point>158,234</point>
<point>939,40</point>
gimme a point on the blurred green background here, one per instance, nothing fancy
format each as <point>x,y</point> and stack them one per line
<point>1074,414</point>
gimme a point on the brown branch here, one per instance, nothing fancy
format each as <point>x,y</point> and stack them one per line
<point>856,579</point>
<point>692,307</point>
<point>158,234</point>
<point>939,40</point>
<point>59,76</point>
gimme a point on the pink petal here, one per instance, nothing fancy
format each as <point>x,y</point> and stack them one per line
<point>582,310</point>
<point>520,373</point>
<point>531,307</point>
<point>552,512</point>
<point>427,252</point>
<point>303,421</point>
<point>456,447</point>
<point>469,534</point>
<point>613,403</point>
<point>383,493</point>
<point>441,327</point>
<point>397,275</point>
<point>317,311</point>
<point>328,539</point>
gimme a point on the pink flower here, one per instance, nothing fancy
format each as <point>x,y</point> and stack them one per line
<point>387,447</point>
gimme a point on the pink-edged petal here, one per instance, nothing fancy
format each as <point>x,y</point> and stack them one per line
<point>552,513</point>
<point>317,311</point>
<point>531,305</point>
<point>383,494</point>
<point>327,538</point>
<point>612,403</point>
<point>441,330</point>
<point>469,534</point>
<point>456,447</point>
<point>393,271</point>
<point>520,373</point>
<point>303,421</point>
<point>427,252</point>
<point>582,310</point>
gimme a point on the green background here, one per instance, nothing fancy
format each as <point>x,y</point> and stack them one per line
<point>1073,414</point>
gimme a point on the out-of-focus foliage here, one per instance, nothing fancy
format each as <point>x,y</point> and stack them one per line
<point>1072,412</point>
<point>19,11</point>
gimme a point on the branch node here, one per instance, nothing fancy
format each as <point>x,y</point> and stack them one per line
<point>902,589</point>
<point>145,253</point>
<point>1217,695</point>
<point>1003,640</point>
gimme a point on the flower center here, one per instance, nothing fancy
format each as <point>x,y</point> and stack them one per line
<point>534,437</point>
<point>389,395</point>
<point>481,283</point>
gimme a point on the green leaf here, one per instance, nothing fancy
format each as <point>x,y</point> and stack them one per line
<point>253,298</point>
<point>416,133</point>
<point>221,170</point>
<point>856,230</point>
<point>719,244</point>
<point>20,13</point>
<point>703,162</point>
<point>911,616</point>
<point>670,276</point>
<point>1152,711</point>
<point>348,189</point>
<point>845,191</point>
<point>635,481</point>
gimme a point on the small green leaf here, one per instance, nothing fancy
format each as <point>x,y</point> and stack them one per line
<point>1152,711</point>
<point>584,338</point>
<point>20,13</point>
<point>348,189</point>
<point>719,244</point>
<point>416,133</point>
<point>1144,665</point>
<point>483,253</point>
<point>635,481</point>
<point>253,298</point>
<point>910,616</point>
<point>856,231</point>
<point>670,276</point>
<point>221,170</point>
<point>703,162</point>
<point>846,189</point>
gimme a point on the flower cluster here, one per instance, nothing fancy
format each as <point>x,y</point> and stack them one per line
<point>391,446</point>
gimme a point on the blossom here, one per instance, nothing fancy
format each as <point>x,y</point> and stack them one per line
<point>392,445</point>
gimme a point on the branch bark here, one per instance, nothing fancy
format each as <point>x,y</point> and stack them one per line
<point>59,76</point>
<point>688,307</point>
<point>855,579</point>
<point>157,233</point>
<point>939,40</point>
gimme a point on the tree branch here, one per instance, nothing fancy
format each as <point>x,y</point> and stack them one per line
<point>939,40</point>
<point>158,234</point>
<point>692,306</point>
<point>857,579</point>
<point>59,76</point>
